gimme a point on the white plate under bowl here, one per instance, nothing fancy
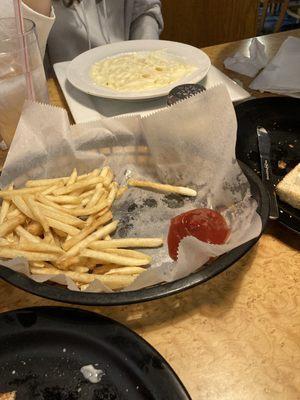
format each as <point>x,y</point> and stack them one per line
<point>78,72</point>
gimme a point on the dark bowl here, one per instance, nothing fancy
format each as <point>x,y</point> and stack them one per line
<point>59,293</point>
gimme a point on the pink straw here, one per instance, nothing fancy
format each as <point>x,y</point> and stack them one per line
<point>23,45</point>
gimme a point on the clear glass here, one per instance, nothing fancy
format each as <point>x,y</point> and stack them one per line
<point>13,91</point>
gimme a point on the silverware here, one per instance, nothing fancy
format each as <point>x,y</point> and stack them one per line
<point>264,145</point>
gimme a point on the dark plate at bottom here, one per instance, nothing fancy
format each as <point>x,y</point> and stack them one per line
<point>281,117</point>
<point>42,351</point>
<point>217,266</point>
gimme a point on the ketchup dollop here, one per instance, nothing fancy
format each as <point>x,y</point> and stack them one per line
<point>206,225</point>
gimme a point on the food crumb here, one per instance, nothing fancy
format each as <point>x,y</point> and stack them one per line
<point>92,374</point>
<point>281,164</point>
<point>64,350</point>
<point>13,372</point>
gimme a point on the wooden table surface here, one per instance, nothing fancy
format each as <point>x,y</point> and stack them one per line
<point>235,337</point>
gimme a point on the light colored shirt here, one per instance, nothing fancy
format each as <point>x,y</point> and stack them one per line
<point>69,31</point>
<point>92,23</point>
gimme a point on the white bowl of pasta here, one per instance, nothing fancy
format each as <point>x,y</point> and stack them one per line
<point>137,69</point>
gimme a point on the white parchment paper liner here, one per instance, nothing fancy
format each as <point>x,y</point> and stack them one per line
<point>191,143</point>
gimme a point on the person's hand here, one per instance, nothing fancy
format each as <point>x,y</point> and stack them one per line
<point>40,6</point>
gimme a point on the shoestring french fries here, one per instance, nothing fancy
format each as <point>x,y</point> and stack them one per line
<point>65,226</point>
<point>184,191</point>
<point>59,226</point>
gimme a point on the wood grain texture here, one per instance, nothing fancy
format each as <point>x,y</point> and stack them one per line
<point>209,22</point>
<point>237,337</point>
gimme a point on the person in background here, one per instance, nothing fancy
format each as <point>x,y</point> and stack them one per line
<point>71,27</point>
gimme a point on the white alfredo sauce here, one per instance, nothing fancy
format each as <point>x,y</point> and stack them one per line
<point>139,71</point>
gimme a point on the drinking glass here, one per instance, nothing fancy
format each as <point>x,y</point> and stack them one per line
<point>13,90</point>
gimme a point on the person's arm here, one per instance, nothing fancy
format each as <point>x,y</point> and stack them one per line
<point>39,6</point>
<point>43,20</point>
<point>147,20</point>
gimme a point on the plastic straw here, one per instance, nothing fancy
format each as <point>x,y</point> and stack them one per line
<point>24,49</point>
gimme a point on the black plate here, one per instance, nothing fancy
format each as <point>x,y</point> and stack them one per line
<point>43,349</point>
<point>281,117</point>
<point>58,293</point>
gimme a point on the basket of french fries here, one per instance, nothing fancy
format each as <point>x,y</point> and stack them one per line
<point>100,219</point>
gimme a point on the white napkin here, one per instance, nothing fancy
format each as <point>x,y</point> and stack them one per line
<point>282,74</point>
<point>248,65</point>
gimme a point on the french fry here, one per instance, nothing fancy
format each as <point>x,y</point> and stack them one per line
<point>102,269</point>
<point>121,191</point>
<point>126,242</point>
<point>112,281</point>
<point>86,183</point>
<point>113,258</point>
<point>104,171</point>
<point>40,264</point>
<point>43,199</point>
<point>96,196</point>
<point>91,218</point>
<point>100,213</point>
<point>77,268</point>
<point>88,211</point>
<point>5,207</point>
<point>109,178</point>
<point>72,178</point>
<point>19,192</point>
<point>162,187</point>
<point>13,213</point>
<point>107,237</point>
<point>46,182</point>
<point>112,194</point>
<point>129,253</point>
<point>11,238</point>
<point>64,199</point>
<point>61,216</point>
<point>22,232</point>
<point>61,226</point>
<point>69,262</point>
<point>89,193</point>
<point>4,242</point>
<point>40,247</point>
<point>50,189</point>
<point>10,225</point>
<point>98,234</point>
<point>30,256</point>
<point>37,214</point>
<point>4,210</point>
<point>85,201</point>
<point>60,233</point>
<point>83,287</point>
<point>48,237</point>
<point>35,228</point>
<point>125,271</point>
<point>95,172</point>
<point>87,231</point>
<point>22,206</point>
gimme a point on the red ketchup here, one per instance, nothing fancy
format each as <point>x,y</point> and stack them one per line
<point>206,225</point>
